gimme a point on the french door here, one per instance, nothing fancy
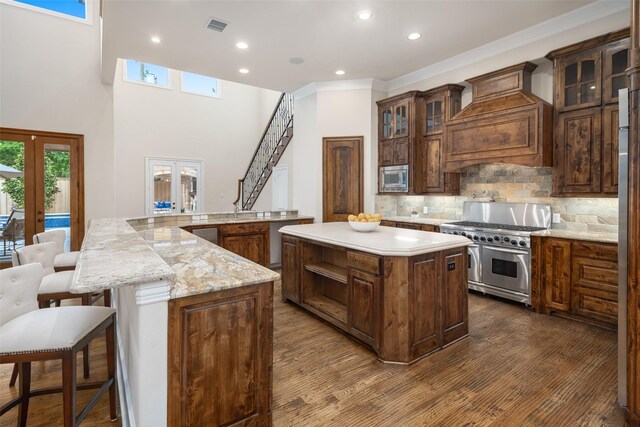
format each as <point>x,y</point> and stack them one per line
<point>174,186</point>
<point>41,188</point>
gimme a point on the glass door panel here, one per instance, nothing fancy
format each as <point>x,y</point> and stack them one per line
<point>16,195</point>
<point>174,186</point>
<point>57,190</point>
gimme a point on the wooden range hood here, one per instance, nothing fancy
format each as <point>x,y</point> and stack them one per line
<point>505,123</point>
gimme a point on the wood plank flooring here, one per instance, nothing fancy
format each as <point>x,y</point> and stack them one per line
<point>517,368</point>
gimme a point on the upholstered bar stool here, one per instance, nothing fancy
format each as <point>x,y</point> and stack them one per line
<point>63,260</point>
<point>55,286</point>
<point>31,334</point>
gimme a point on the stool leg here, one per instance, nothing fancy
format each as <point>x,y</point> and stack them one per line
<point>25,392</point>
<point>107,297</point>
<point>111,369</point>
<point>14,375</point>
<point>69,388</point>
<point>86,300</point>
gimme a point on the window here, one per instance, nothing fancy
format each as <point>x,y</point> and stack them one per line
<point>200,85</point>
<point>149,74</point>
<point>76,10</point>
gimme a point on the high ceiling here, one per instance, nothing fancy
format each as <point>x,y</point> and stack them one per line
<point>327,34</point>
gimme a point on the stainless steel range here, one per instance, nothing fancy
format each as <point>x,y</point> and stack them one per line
<point>500,256</point>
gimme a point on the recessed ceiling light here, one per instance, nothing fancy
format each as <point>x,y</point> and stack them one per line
<point>364,15</point>
<point>340,72</point>
<point>414,36</point>
<point>244,70</point>
<point>242,45</point>
<point>155,39</point>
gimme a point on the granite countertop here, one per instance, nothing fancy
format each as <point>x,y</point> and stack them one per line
<point>201,266</point>
<point>210,219</point>
<point>419,220</point>
<point>117,252</point>
<point>385,241</point>
<point>590,236</point>
<point>114,255</point>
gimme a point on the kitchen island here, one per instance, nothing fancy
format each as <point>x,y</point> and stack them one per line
<point>194,320</point>
<point>401,292</point>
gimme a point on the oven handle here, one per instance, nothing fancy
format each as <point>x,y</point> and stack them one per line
<point>508,251</point>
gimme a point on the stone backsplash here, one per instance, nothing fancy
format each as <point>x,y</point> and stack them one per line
<point>509,183</point>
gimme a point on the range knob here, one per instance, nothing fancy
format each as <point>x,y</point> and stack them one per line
<point>475,238</point>
<point>522,243</point>
<point>496,238</point>
<point>469,237</point>
<point>506,240</point>
<point>462,233</point>
<point>483,238</point>
<point>455,232</point>
<point>513,242</point>
<point>489,239</point>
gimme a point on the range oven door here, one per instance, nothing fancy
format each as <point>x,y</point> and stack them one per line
<point>507,268</point>
<point>475,263</point>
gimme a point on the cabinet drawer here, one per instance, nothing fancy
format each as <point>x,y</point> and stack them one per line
<point>368,263</point>
<point>247,228</point>
<point>595,303</point>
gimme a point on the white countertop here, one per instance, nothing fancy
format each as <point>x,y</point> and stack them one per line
<point>384,241</point>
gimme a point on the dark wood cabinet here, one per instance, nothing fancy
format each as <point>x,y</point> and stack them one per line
<point>249,240</point>
<point>402,307</point>
<point>557,274</point>
<point>578,145</point>
<point>411,226</point>
<point>588,76</point>
<point>220,357</point>
<point>396,128</point>
<point>577,279</point>
<point>290,276</point>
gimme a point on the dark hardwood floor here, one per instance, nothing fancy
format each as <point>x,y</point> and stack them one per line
<point>517,368</point>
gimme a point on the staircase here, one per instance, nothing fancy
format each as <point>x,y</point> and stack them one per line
<point>274,141</point>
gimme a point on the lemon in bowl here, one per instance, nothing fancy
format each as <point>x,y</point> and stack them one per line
<point>364,222</point>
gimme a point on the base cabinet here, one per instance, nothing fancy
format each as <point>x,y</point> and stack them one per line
<point>250,241</point>
<point>220,358</point>
<point>578,279</point>
<point>402,307</point>
<point>411,226</point>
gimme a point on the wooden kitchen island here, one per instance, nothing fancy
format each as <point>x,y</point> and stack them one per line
<point>401,292</point>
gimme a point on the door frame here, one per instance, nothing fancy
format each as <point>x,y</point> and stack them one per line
<point>360,142</point>
<point>176,161</point>
<point>76,208</point>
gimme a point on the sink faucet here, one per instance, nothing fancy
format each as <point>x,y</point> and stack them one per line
<point>236,209</point>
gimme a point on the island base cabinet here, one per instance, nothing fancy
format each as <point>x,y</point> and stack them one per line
<point>402,307</point>
<point>220,358</point>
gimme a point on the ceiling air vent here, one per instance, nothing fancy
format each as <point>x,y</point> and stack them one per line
<point>216,25</point>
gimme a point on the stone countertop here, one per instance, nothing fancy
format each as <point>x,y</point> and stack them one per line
<point>208,220</point>
<point>590,236</point>
<point>384,241</point>
<point>114,255</point>
<point>419,220</point>
<point>200,266</point>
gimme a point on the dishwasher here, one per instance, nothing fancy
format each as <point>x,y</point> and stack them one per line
<point>208,234</point>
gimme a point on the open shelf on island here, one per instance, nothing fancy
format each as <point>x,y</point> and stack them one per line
<point>334,272</point>
<point>329,306</point>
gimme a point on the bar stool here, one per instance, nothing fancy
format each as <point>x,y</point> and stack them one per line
<point>55,286</point>
<point>63,260</point>
<point>31,334</point>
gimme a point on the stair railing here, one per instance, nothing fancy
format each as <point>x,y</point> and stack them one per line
<point>272,143</point>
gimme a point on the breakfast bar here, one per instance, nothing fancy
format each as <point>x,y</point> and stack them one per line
<point>403,293</point>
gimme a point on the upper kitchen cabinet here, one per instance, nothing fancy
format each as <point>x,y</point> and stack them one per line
<point>504,123</point>
<point>439,105</point>
<point>396,115</point>
<point>587,78</point>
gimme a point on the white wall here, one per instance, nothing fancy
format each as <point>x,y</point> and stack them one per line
<point>50,80</point>
<point>151,121</point>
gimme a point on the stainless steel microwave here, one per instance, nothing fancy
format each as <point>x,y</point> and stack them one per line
<point>394,179</point>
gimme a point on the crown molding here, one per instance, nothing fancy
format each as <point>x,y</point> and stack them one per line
<point>340,85</point>
<point>576,18</point>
